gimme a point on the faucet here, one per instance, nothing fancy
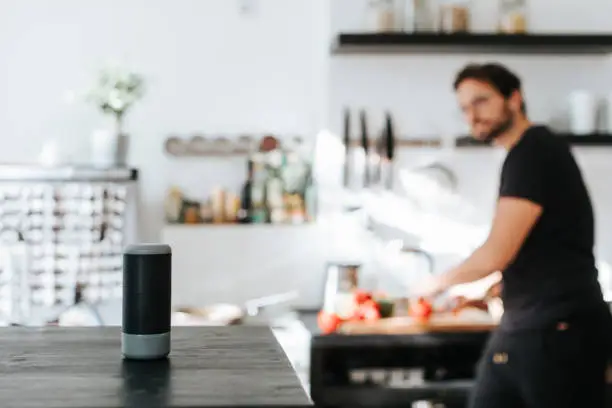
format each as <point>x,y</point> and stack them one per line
<point>426,255</point>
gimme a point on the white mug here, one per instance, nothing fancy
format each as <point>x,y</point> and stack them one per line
<point>608,110</point>
<point>583,112</point>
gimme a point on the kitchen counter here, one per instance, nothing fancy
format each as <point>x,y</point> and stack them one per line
<point>309,318</point>
<point>83,368</point>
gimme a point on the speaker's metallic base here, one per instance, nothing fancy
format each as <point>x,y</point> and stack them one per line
<point>145,346</point>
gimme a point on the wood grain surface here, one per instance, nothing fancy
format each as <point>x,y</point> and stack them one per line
<point>83,368</point>
<point>407,325</point>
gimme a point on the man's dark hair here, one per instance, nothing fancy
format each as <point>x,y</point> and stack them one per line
<point>496,75</point>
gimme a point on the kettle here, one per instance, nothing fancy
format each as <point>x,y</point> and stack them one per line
<point>341,279</point>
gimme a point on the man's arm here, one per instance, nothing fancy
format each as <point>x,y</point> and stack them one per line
<point>513,221</point>
<point>522,198</point>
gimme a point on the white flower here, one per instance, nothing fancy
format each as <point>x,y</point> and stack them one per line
<point>117,90</point>
<point>116,100</point>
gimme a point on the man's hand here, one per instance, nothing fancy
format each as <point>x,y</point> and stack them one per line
<point>429,288</point>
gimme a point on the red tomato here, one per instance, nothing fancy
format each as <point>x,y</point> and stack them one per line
<point>368,311</point>
<point>421,310</point>
<point>328,322</point>
<point>357,316</point>
<point>361,296</point>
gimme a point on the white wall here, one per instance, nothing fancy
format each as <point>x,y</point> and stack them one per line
<point>417,90</point>
<point>211,69</point>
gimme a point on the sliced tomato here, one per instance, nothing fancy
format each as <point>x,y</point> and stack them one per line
<point>328,322</point>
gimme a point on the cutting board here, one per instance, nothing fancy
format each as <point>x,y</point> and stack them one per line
<point>440,323</point>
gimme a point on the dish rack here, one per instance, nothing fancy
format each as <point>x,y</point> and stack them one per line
<point>61,242</point>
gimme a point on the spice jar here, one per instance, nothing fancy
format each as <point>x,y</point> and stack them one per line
<point>513,16</point>
<point>424,15</point>
<point>383,16</point>
<point>454,16</point>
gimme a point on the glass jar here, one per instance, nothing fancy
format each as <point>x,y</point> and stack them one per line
<point>454,16</point>
<point>513,16</point>
<point>384,16</point>
<point>423,15</point>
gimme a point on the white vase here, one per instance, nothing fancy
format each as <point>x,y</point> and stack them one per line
<point>108,149</point>
<point>123,143</point>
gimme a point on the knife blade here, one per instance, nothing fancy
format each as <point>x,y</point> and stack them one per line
<point>365,144</point>
<point>376,159</point>
<point>347,142</point>
<point>390,145</point>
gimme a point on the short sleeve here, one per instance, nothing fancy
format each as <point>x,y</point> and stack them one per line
<point>523,174</point>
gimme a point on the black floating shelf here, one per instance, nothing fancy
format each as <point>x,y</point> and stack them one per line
<point>366,43</point>
<point>595,140</point>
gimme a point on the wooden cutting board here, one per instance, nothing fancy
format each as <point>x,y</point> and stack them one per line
<point>443,323</point>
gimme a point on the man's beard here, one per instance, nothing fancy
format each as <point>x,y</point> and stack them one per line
<point>501,127</point>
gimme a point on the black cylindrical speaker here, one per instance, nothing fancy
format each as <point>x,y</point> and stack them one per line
<point>147,280</point>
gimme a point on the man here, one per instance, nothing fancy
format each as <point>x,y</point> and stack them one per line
<point>550,349</point>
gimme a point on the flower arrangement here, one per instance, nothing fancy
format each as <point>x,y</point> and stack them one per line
<point>115,92</point>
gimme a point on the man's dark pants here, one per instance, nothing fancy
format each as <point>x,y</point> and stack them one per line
<point>559,366</point>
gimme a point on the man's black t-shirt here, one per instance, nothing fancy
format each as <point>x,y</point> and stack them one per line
<point>554,274</point>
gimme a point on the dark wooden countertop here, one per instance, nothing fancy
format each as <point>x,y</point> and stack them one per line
<point>83,368</point>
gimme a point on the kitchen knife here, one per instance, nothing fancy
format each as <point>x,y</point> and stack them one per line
<point>381,156</point>
<point>365,144</point>
<point>375,161</point>
<point>347,147</point>
<point>390,143</point>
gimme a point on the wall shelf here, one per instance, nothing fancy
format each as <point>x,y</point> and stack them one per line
<point>220,147</point>
<point>593,140</point>
<point>399,43</point>
<point>403,143</point>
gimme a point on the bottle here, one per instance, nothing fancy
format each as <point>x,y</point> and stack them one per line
<point>173,204</point>
<point>295,209</point>
<point>275,201</point>
<point>275,187</point>
<point>232,208</point>
<point>259,214</point>
<point>246,198</point>
<point>311,198</point>
<point>218,199</point>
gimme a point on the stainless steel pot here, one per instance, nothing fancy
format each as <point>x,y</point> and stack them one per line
<point>340,279</point>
